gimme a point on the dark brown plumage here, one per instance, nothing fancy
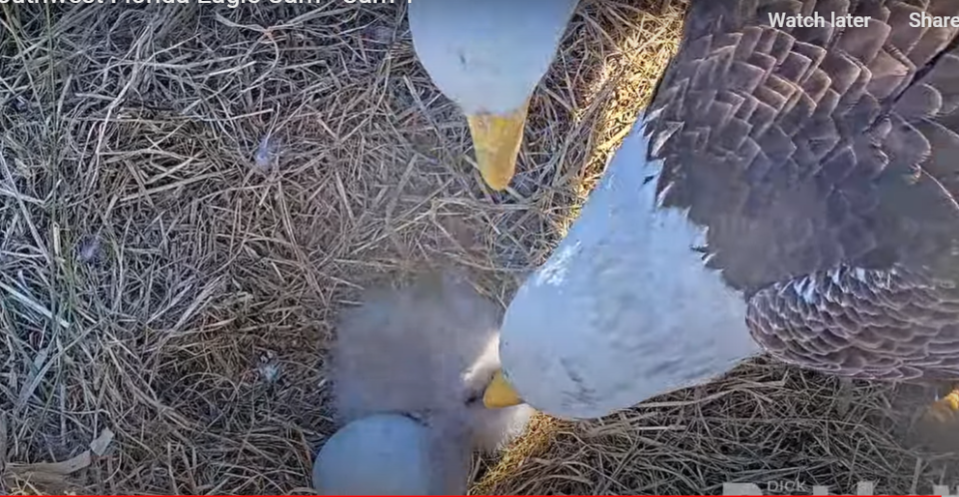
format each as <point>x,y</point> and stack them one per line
<point>824,163</point>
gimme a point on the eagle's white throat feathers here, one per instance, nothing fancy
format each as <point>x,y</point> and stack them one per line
<point>625,309</point>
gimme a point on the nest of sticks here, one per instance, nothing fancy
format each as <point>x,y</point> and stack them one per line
<point>189,194</point>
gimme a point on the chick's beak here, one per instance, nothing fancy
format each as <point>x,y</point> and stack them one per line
<point>496,139</point>
<point>500,393</point>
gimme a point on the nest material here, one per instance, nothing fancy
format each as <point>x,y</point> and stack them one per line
<point>189,194</point>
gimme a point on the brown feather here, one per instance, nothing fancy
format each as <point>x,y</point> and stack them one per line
<point>822,160</point>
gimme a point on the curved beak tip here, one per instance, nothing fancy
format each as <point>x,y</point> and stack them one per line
<point>496,179</point>
<point>496,140</point>
<point>500,393</point>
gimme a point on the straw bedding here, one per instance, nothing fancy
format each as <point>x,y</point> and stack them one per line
<point>189,194</point>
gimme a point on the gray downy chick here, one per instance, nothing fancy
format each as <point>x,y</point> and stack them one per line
<point>425,352</point>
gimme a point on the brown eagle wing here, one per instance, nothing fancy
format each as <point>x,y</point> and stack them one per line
<point>824,162</point>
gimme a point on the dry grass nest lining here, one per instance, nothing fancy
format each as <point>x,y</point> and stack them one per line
<point>188,194</point>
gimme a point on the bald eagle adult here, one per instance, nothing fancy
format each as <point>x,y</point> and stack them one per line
<point>488,57</point>
<point>789,190</point>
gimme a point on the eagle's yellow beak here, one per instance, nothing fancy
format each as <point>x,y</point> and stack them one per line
<point>496,139</point>
<point>500,393</point>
